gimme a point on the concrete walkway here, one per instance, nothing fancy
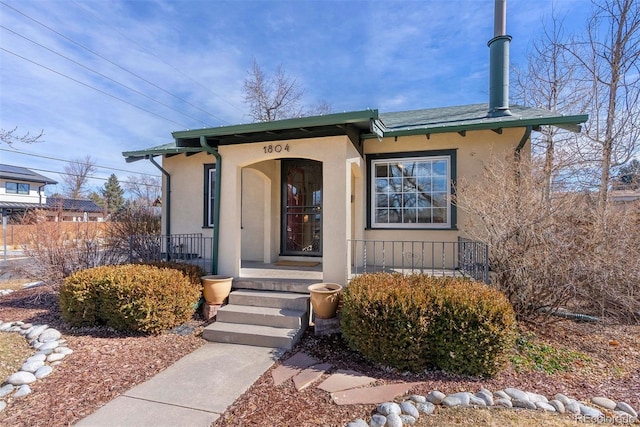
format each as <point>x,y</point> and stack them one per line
<point>194,391</point>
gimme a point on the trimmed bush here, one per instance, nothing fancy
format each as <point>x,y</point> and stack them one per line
<point>191,271</point>
<point>417,322</point>
<point>139,298</point>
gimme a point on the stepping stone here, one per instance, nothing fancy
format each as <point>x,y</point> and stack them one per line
<point>305,378</point>
<point>344,380</point>
<point>371,395</point>
<point>292,366</point>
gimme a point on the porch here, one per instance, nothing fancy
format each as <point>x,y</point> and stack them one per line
<point>462,258</point>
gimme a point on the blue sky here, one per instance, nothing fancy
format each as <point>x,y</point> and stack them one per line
<point>186,62</point>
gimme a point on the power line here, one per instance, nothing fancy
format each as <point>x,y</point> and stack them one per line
<point>93,177</point>
<point>24,153</point>
<point>111,62</point>
<point>149,52</point>
<point>94,88</point>
<point>103,75</point>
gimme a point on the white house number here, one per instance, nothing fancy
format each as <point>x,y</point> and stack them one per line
<point>268,149</point>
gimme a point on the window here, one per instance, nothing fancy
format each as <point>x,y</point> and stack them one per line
<point>209,194</point>
<point>412,190</point>
<point>17,188</point>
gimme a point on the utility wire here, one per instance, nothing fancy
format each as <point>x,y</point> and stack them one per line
<point>71,161</point>
<point>149,52</point>
<point>104,76</point>
<point>94,88</point>
<point>94,177</point>
<point>110,62</point>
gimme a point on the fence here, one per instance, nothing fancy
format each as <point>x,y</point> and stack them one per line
<point>462,258</point>
<point>191,248</point>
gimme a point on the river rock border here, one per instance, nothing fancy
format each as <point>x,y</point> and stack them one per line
<point>51,348</point>
<point>405,413</point>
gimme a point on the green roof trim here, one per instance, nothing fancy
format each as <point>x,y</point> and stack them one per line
<point>160,150</point>
<point>279,125</point>
<point>469,118</point>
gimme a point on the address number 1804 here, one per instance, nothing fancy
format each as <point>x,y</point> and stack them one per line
<point>278,148</point>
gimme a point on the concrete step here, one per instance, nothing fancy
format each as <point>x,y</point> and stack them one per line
<point>269,299</point>
<point>279,285</point>
<point>256,335</point>
<point>265,316</point>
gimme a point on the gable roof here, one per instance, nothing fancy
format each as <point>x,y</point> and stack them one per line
<point>72,205</point>
<point>363,125</point>
<point>23,174</point>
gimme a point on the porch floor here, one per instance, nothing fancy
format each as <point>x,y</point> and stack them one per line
<point>260,270</point>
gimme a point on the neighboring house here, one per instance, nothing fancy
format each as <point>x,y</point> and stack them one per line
<point>21,189</point>
<point>73,210</point>
<point>326,187</point>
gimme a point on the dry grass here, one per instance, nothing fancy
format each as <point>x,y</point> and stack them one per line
<point>13,352</point>
<point>14,284</point>
<point>454,417</point>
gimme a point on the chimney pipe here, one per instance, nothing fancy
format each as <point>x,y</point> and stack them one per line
<point>499,63</point>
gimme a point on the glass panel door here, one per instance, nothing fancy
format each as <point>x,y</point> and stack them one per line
<point>302,207</point>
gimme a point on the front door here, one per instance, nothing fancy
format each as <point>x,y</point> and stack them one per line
<point>301,207</point>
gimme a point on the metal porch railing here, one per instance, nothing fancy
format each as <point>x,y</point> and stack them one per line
<point>465,258</point>
<point>191,248</point>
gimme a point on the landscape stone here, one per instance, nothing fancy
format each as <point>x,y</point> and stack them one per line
<point>573,407</point>
<point>358,423</point>
<point>408,408</point>
<point>407,420</point>
<point>418,399</point>
<point>21,378</point>
<point>22,391</point>
<point>523,403</point>
<point>53,357</point>
<point>31,366</point>
<point>463,396</point>
<point>63,350</point>
<point>486,396</point>
<point>388,408</point>
<point>292,366</point>
<point>515,393</point>
<point>36,331</point>
<point>590,412</point>
<point>3,405</point>
<point>43,371</point>
<point>378,420</point>
<point>501,394</point>
<point>26,325</point>
<point>6,389</point>
<point>559,406</point>
<point>37,358</point>
<point>49,345</point>
<point>49,335</point>
<point>625,407</point>
<point>604,402</point>
<point>562,398</point>
<point>502,402</point>
<point>535,397</point>
<point>394,420</point>
<point>436,397</point>
<point>545,406</point>
<point>426,408</point>
<point>451,402</point>
<point>476,401</point>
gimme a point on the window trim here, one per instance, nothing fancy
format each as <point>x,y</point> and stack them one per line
<point>208,195</point>
<point>452,211</point>
<point>17,189</point>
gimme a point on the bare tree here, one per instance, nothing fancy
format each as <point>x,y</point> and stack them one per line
<point>9,137</point>
<point>145,189</point>
<point>76,175</point>
<point>610,59</point>
<point>276,97</point>
<point>549,82</point>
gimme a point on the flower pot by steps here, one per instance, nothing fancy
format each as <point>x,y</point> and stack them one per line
<point>324,299</point>
<point>216,288</point>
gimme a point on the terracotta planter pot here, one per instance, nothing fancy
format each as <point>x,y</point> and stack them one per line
<point>216,288</point>
<point>324,299</point>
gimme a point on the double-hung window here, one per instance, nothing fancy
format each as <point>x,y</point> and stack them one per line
<point>17,188</point>
<point>209,194</point>
<point>412,190</point>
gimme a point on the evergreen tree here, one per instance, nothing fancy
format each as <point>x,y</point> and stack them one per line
<point>113,194</point>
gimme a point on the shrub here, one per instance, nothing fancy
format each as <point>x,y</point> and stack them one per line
<point>191,271</point>
<point>129,297</point>
<point>416,322</point>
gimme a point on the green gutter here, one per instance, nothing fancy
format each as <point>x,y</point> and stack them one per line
<point>300,122</point>
<point>216,207</point>
<point>567,122</point>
